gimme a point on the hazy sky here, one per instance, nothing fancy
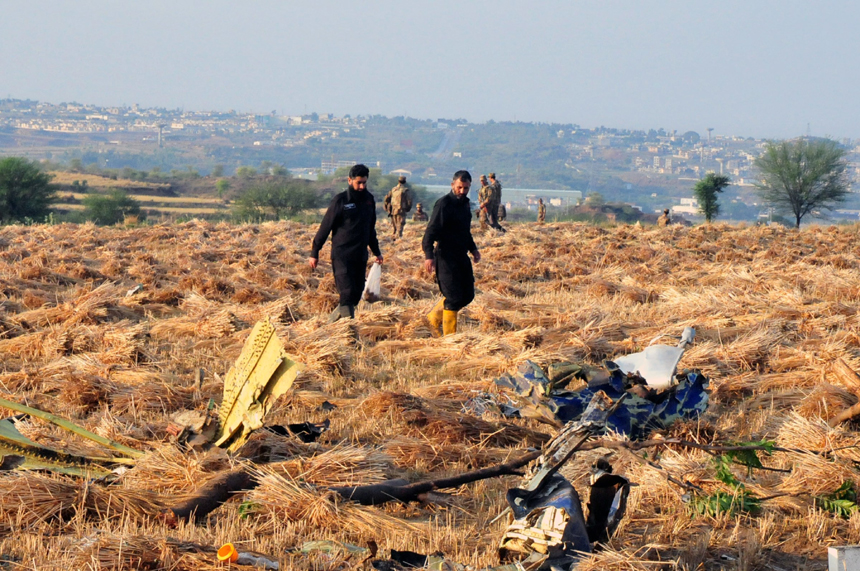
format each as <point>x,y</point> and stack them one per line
<point>750,67</point>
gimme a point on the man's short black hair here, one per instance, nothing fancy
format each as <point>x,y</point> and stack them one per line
<point>359,170</point>
<point>462,176</point>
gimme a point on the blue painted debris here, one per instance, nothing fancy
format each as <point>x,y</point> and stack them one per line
<point>539,395</point>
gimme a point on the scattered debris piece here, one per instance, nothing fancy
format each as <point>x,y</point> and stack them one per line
<point>136,289</point>
<point>843,558</point>
<point>331,546</point>
<point>228,553</point>
<point>481,404</point>
<point>657,363</point>
<point>607,502</point>
<point>71,427</point>
<point>262,373</point>
<point>645,408</point>
<point>549,529</point>
<point>307,432</point>
<point>19,452</point>
<point>405,560</point>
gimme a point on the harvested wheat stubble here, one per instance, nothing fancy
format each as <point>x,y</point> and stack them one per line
<point>31,502</point>
<point>774,309</point>
<point>282,498</point>
<point>141,552</point>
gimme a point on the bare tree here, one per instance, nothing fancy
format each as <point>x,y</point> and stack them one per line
<point>802,176</point>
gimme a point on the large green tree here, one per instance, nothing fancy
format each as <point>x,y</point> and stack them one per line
<point>706,191</point>
<point>25,191</point>
<point>803,176</point>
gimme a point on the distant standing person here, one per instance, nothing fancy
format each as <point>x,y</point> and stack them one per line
<point>664,219</point>
<point>485,197</point>
<point>420,215</point>
<point>398,202</point>
<point>447,244</point>
<point>541,211</point>
<point>494,207</point>
<point>351,220</point>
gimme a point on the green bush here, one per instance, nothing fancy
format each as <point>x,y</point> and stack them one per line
<point>112,208</point>
<point>276,200</point>
<point>25,191</point>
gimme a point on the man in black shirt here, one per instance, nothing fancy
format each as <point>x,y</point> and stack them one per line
<point>351,220</point>
<point>450,231</point>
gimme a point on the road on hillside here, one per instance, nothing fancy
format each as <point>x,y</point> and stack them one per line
<point>447,146</point>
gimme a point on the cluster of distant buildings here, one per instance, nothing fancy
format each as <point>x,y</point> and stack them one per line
<point>77,118</point>
<point>686,156</point>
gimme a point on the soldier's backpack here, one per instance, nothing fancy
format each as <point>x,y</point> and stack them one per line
<point>400,201</point>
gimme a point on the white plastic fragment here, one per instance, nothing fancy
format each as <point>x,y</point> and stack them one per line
<point>657,364</point>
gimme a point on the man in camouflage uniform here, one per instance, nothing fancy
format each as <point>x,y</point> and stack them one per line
<point>495,202</point>
<point>541,211</point>
<point>485,195</point>
<point>420,215</point>
<point>664,219</point>
<point>397,203</point>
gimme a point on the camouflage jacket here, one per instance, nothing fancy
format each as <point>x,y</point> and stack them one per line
<point>485,194</point>
<point>398,200</point>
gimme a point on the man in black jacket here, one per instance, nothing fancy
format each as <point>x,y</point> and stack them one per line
<point>450,231</point>
<point>351,220</point>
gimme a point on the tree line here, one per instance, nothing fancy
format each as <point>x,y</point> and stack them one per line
<point>798,178</point>
<point>268,193</point>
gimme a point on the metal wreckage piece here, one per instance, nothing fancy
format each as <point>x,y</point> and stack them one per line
<point>544,396</point>
<point>262,373</point>
<point>549,528</point>
<point>657,363</point>
<point>19,452</point>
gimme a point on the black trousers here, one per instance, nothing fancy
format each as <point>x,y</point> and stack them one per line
<point>349,277</point>
<point>456,280</point>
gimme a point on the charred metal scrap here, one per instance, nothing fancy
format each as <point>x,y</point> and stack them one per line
<point>548,528</point>
<point>647,406</point>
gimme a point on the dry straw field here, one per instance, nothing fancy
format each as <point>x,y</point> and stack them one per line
<point>774,310</point>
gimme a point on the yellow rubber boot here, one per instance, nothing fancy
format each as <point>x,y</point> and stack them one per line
<point>435,316</point>
<point>449,322</point>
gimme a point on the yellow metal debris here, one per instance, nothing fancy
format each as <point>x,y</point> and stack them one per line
<point>262,373</point>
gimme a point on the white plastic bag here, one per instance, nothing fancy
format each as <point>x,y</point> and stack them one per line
<point>373,283</point>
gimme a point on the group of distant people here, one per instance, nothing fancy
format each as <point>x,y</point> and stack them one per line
<point>491,210</point>
<point>351,220</point>
<point>490,207</point>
